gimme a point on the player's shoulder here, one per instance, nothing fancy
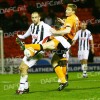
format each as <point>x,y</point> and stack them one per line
<point>32,24</point>
<point>73,17</point>
<point>44,24</point>
<point>79,31</point>
<point>88,31</point>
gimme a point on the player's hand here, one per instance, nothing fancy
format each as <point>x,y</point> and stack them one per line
<point>60,20</point>
<point>21,36</point>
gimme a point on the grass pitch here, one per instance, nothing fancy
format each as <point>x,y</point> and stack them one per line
<point>43,86</point>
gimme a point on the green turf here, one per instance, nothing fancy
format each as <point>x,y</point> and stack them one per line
<point>43,86</point>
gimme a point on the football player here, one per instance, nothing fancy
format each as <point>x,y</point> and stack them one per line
<point>39,31</point>
<point>84,36</point>
<point>62,40</point>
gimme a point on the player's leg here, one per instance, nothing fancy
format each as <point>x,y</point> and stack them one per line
<point>67,58</point>
<point>48,45</point>
<point>23,78</point>
<point>67,76</point>
<point>64,55</point>
<point>64,62</point>
<point>84,68</point>
<point>51,44</point>
<point>80,57</point>
<point>84,63</point>
<point>25,64</point>
<point>65,68</point>
<point>56,63</point>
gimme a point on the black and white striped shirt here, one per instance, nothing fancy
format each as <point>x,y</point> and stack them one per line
<point>83,39</point>
<point>38,32</point>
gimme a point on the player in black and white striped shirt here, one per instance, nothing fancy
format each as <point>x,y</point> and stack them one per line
<point>39,31</point>
<point>84,36</point>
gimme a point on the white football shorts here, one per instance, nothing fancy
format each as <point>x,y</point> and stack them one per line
<point>63,41</point>
<point>30,62</point>
<point>83,54</point>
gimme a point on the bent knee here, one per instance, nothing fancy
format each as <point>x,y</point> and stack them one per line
<point>54,65</point>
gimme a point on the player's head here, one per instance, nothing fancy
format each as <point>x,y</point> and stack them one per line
<point>83,25</point>
<point>71,9</point>
<point>35,16</point>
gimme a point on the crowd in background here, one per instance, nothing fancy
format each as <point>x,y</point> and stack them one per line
<point>20,20</point>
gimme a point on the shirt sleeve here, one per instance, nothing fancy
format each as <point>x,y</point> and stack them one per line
<point>28,32</point>
<point>47,30</point>
<point>90,36</point>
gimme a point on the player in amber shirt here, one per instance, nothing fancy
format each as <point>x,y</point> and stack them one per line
<point>65,34</point>
<point>62,40</point>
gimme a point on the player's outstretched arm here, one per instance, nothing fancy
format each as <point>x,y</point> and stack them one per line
<point>60,32</point>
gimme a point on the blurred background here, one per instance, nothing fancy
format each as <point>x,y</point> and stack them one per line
<point>15,18</point>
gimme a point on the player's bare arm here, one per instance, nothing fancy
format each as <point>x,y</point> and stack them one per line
<point>60,32</point>
<point>92,46</point>
<point>74,41</point>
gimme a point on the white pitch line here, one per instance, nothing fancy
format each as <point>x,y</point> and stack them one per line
<point>85,81</point>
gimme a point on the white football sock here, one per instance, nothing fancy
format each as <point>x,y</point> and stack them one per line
<point>26,85</point>
<point>84,72</point>
<point>84,68</point>
<point>23,79</point>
